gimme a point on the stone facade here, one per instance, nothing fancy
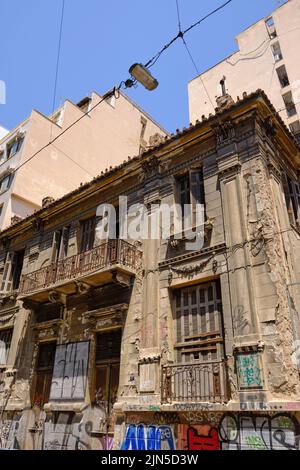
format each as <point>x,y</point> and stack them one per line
<point>147,345</point>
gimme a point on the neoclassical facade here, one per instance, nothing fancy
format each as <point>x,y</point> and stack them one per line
<point>149,344</point>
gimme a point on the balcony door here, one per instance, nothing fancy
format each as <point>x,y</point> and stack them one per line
<point>199,323</point>
<point>108,349</point>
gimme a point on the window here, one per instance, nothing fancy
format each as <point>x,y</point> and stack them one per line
<point>87,234</point>
<point>199,323</point>
<point>12,271</point>
<point>277,52</point>
<point>283,76</point>
<point>289,104</point>
<point>292,197</point>
<point>191,191</point>
<point>44,373</point>
<point>295,129</point>
<point>108,347</point>
<point>5,342</point>
<point>5,183</point>
<point>271,28</point>
<point>13,147</point>
<point>60,244</point>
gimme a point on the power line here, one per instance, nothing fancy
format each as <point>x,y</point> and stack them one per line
<point>57,61</point>
<point>178,15</point>
<point>181,34</point>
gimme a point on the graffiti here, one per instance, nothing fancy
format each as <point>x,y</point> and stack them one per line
<point>193,406</point>
<point>240,322</point>
<point>248,432</point>
<point>70,371</point>
<point>162,418</point>
<point>248,371</point>
<point>151,437</point>
<point>197,442</point>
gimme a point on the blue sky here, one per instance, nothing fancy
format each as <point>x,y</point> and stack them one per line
<point>101,39</point>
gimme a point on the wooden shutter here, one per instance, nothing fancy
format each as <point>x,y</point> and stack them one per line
<point>87,234</point>
<point>199,323</point>
<point>7,278</point>
<point>197,191</point>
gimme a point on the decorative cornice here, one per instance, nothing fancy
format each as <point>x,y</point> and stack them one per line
<point>191,256</point>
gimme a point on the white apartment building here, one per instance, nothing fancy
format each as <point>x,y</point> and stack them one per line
<point>105,137</point>
<point>268,58</point>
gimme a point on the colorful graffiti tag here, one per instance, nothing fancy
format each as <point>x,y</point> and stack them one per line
<point>230,431</point>
<point>151,437</point>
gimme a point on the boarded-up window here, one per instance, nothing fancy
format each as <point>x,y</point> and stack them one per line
<point>44,373</point>
<point>5,342</point>
<point>292,197</point>
<point>87,234</point>
<point>199,322</point>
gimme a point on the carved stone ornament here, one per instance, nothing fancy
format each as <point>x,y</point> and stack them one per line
<point>151,167</point>
<point>224,102</point>
<point>156,139</point>
<point>37,224</point>
<point>224,132</point>
<point>56,297</point>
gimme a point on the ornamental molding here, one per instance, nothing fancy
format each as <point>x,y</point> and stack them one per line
<point>164,265</point>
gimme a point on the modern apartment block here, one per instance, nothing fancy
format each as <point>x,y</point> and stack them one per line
<point>267,58</point>
<point>3,132</point>
<point>152,343</point>
<point>111,132</point>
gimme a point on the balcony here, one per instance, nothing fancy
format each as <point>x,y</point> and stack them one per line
<point>113,259</point>
<point>202,382</point>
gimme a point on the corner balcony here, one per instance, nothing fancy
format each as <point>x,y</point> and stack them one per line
<point>204,382</point>
<point>113,260</point>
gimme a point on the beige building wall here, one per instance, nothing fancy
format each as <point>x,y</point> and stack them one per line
<point>254,66</point>
<point>113,131</point>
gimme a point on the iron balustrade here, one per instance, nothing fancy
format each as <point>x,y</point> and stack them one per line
<point>107,254</point>
<point>195,382</point>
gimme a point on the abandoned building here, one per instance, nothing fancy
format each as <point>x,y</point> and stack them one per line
<point>143,344</point>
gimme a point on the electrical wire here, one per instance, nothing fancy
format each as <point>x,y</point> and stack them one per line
<point>178,15</point>
<point>181,34</point>
<point>57,61</point>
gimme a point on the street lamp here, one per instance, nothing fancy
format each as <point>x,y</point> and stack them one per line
<point>143,75</point>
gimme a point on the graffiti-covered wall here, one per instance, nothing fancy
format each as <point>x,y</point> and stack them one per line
<point>212,431</point>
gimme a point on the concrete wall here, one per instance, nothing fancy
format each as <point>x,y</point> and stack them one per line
<point>253,66</point>
<point>103,139</point>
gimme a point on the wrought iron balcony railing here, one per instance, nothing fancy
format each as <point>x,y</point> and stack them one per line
<point>198,382</point>
<point>109,253</point>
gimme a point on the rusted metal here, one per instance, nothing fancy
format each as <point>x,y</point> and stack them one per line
<point>198,382</point>
<point>107,254</point>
